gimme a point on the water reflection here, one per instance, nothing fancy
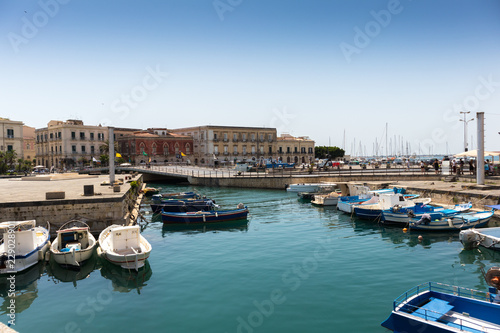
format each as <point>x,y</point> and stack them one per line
<point>232,226</point>
<point>26,289</point>
<point>62,274</point>
<point>125,280</point>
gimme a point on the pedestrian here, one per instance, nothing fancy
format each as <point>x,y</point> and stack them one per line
<point>436,166</point>
<point>471,167</point>
<point>422,166</point>
<point>454,166</point>
<point>462,163</point>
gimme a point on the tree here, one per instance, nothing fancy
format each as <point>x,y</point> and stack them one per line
<point>104,148</point>
<point>104,159</point>
<point>328,152</point>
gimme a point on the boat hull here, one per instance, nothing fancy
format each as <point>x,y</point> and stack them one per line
<point>204,217</point>
<point>454,223</point>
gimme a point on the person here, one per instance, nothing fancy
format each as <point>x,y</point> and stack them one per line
<point>422,166</point>
<point>461,170</point>
<point>408,164</point>
<point>471,167</point>
<point>436,166</point>
<point>487,167</point>
<point>454,166</point>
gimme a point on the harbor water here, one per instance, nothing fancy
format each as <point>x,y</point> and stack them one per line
<point>291,267</point>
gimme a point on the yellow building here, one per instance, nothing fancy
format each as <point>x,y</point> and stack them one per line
<point>224,145</point>
<point>29,150</point>
<point>296,150</point>
<point>12,136</point>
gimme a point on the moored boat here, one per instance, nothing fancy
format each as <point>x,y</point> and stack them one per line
<point>311,187</point>
<point>176,195</point>
<point>183,205</point>
<point>150,191</point>
<point>403,215</point>
<point>212,216</point>
<point>23,245</point>
<point>437,307</point>
<point>452,223</point>
<point>124,246</point>
<point>73,245</point>
<point>486,237</point>
<point>329,199</point>
<point>373,210</point>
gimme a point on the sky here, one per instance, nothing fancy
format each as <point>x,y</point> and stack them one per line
<point>340,72</point>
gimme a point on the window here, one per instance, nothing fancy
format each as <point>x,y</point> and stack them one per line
<point>28,146</point>
<point>288,149</point>
<point>295,149</point>
<point>244,137</point>
<point>142,148</point>
<point>253,137</point>
<point>244,150</point>
<point>73,149</point>
<point>59,135</point>
<point>82,136</point>
<point>225,149</point>
<point>235,149</point>
<point>270,137</point>
<point>10,148</point>
<point>91,136</point>
<point>235,137</point>
<point>73,135</point>
<point>280,150</point>
<point>10,133</point>
<point>165,149</point>
<point>83,149</point>
<point>253,150</point>
<point>176,149</point>
<point>216,149</point>
<point>188,149</point>
<point>153,149</point>
<point>262,150</point>
<point>270,150</point>
<point>51,136</point>
<point>92,150</point>
<point>215,136</point>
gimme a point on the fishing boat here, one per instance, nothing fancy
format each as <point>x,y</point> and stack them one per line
<point>329,199</point>
<point>73,245</point>
<point>452,223</point>
<point>398,215</point>
<point>438,307</point>
<point>124,246</point>
<point>23,245</point>
<point>184,205</point>
<point>346,203</point>
<point>177,195</point>
<point>149,191</point>
<point>372,209</point>
<point>311,187</point>
<point>212,216</point>
<point>486,237</point>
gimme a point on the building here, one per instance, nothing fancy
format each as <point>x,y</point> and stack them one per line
<point>65,144</point>
<point>11,138</point>
<point>295,149</point>
<point>29,151</point>
<point>156,145</point>
<point>220,145</point>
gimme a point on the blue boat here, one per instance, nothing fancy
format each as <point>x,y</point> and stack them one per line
<point>372,209</point>
<point>203,217</point>
<point>403,215</point>
<point>436,307</point>
<point>186,205</point>
<point>177,195</point>
<point>456,222</point>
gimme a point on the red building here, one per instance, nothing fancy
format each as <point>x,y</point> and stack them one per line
<point>155,145</point>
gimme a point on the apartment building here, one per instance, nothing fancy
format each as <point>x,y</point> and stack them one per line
<point>29,150</point>
<point>220,145</point>
<point>11,137</point>
<point>295,149</point>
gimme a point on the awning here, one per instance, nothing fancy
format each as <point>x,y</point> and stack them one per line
<point>473,153</point>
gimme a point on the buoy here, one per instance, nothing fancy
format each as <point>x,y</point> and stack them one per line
<point>405,229</point>
<point>420,237</point>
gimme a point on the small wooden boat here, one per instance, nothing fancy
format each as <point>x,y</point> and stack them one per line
<point>402,215</point>
<point>184,205</point>
<point>452,223</point>
<point>177,195</point>
<point>329,199</point>
<point>124,246</point>
<point>74,244</point>
<point>206,216</point>
<point>23,245</point>
<point>149,191</point>
<point>437,307</point>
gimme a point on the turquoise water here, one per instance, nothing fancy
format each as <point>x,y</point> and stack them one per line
<point>291,268</point>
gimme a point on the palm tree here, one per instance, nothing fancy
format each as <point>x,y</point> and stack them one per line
<point>104,148</point>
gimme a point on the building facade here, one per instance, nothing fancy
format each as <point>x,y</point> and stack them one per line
<point>155,145</point>
<point>29,150</point>
<point>11,137</point>
<point>296,150</point>
<point>65,144</point>
<point>221,145</point>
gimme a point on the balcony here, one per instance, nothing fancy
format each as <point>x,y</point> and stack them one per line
<point>235,140</point>
<point>270,140</point>
<point>226,153</point>
<point>243,140</point>
<point>235,153</point>
<point>216,140</point>
<point>217,154</point>
<point>225,140</point>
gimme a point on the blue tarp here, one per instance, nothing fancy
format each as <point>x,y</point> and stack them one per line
<point>494,206</point>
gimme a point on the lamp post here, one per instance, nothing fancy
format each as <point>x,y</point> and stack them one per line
<point>465,128</point>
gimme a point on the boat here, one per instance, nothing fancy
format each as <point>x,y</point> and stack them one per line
<point>201,217</point>
<point>486,237</point>
<point>73,245</point>
<point>372,209</point>
<point>176,195</point>
<point>402,215</point>
<point>23,245</point>
<point>329,199</point>
<point>124,246</point>
<point>149,191</point>
<point>311,187</point>
<point>363,194</point>
<point>184,205</point>
<point>452,223</point>
<point>438,307</point>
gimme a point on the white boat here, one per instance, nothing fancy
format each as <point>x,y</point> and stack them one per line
<point>310,187</point>
<point>124,246</point>
<point>486,237</point>
<point>23,245</point>
<point>362,194</point>
<point>329,199</point>
<point>73,245</point>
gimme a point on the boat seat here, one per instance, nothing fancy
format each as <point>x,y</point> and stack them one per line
<point>433,310</point>
<point>128,251</point>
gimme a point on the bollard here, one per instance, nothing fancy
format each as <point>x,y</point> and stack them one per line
<point>88,190</point>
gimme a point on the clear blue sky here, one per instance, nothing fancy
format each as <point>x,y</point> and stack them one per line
<point>315,68</point>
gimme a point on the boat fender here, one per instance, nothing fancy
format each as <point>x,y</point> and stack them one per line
<point>410,213</point>
<point>450,223</point>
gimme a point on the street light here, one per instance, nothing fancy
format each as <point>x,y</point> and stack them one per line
<point>465,128</point>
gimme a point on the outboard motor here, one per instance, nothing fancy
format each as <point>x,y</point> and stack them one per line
<point>468,238</point>
<point>425,219</point>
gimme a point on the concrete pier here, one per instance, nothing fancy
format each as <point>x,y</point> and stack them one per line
<point>58,198</point>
